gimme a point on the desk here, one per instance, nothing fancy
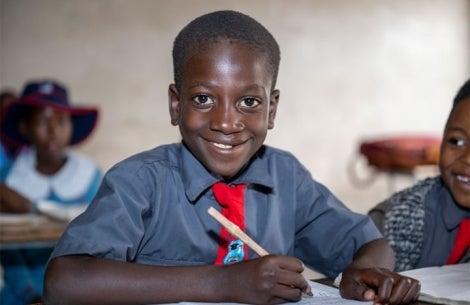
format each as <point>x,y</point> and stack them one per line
<point>324,281</point>
<point>29,230</point>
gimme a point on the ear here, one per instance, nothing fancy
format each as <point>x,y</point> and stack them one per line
<point>173,103</point>
<point>273,102</point>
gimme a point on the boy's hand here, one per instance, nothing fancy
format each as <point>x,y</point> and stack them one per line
<point>270,279</point>
<point>379,285</point>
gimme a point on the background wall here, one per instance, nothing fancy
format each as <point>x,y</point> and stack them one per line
<point>350,70</point>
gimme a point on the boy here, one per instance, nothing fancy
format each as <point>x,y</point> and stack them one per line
<point>147,237</point>
<point>424,223</point>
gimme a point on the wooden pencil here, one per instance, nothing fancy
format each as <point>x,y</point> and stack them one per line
<point>237,232</point>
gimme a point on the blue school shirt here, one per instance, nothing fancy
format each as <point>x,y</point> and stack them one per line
<point>441,224</point>
<point>152,209</point>
<point>421,223</point>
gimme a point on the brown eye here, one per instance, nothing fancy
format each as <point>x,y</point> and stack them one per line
<point>203,99</point>
<point>249,102</point>
<point>457,142</point>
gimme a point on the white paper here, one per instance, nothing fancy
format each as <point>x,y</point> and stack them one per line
<point>449,284</point>
<point>17,219</point>
<point>60,211</point>
<point>322,295</point>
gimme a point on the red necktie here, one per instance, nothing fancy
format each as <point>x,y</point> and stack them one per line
<point>461,244</point>
<point>231,198</point>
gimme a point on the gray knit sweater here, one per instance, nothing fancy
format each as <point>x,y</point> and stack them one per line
<point>403,223</point>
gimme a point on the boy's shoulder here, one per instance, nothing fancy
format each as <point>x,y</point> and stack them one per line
<point>276,150</point>
<point>417,192</point>
<point>276,154</point>
<point>271,164</point>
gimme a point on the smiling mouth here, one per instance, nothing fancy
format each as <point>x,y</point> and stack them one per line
<point>463,179</point>
<point>222,146</point>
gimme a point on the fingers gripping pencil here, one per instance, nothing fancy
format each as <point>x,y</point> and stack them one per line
<point>237,232</point>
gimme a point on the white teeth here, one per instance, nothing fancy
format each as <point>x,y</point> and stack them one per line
<point>223,146</point>
<point>464,179</point>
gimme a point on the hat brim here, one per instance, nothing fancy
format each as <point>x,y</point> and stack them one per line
<point>84,120</point>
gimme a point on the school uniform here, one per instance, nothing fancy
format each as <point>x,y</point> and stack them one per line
<point>75,183</point>
<point>152,209</point>
<point>421,224</point>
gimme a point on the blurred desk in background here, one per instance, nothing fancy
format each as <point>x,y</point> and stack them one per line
<point>397,155</point>
<point>29,230</point>
<point>401,154</point>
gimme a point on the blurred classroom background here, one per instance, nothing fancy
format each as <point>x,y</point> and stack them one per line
<point>350,71</point>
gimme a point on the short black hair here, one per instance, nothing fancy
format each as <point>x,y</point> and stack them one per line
<point>462,94</point>
<point>219,25</point>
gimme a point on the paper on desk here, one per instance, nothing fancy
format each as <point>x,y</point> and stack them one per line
<point>322,295</point>
<point>18,219</point>
<point>60,211</point>
<point>449,284</point>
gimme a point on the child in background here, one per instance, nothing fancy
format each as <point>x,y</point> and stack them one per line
<point>422,223</point>
<point>147,236</point>
<point>43,120</point>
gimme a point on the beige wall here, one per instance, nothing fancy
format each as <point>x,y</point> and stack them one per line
<point>349,70</point>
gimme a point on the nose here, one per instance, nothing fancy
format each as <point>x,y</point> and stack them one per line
<point>54,129</point>
<point>226,118</point>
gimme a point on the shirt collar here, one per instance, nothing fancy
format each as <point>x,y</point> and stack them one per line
<point>454,214</point>
<point>196,179</point>
<point>69,183</point>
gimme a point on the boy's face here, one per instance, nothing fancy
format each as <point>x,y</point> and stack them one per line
<point>225,105</point>
<point>454,162</point>
<point>49,131</point>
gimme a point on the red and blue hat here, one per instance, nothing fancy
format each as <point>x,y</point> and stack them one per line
<point>47,94</point>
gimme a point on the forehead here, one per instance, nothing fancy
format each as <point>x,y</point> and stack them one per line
<point>462,108</point>
<point>32,112</point>
<point>461,113</point>
<point>223,54</point>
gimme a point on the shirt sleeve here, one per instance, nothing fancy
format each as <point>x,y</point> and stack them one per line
<point>112,226</point>
<point>329,234</point>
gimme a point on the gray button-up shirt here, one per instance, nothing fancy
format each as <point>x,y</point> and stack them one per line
<point>152,209</point>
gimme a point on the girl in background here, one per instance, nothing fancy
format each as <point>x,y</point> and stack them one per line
<point>43,120</point>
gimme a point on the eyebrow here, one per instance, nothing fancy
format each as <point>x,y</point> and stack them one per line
<point>455,128</point>
<point>210,86</point>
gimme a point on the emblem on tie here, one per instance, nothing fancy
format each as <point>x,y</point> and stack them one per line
<point>235,252</point>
